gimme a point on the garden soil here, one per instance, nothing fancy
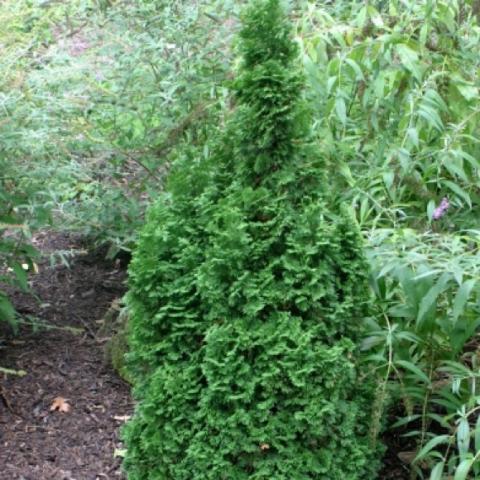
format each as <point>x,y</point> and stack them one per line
<point>65,370</point>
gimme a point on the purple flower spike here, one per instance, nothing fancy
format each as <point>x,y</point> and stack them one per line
<point>440,211</point>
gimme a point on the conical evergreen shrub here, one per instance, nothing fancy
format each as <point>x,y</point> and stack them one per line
<point>247,294</point>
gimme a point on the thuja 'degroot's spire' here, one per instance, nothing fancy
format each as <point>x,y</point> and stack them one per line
<point>246,299</point>
<point>266,36</point>
<point>271,118</point>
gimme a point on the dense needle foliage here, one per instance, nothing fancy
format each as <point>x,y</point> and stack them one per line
<point>246,298</point>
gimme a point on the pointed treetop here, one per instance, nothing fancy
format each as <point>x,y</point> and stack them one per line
<point>271,119</point>
<point>266,34</point>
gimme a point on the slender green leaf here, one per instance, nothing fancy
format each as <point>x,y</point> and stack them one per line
<point>428,302</point>
<point>341,109</point>
<point>414,369</point>
<point>437,471</point>
<point>463,469</point>
<point>430,445</point>
<point>463,437</point>
<point>460,192</point>
<point>462,297</point>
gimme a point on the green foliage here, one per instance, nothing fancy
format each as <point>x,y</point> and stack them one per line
<point>247,294</point>
<point>16,260</point>
<point>396,91</point>
<point>22,204</point>
<point>20,212</point>
<point>156,96</point>
<point>97,100</point>
<point>421,336</point>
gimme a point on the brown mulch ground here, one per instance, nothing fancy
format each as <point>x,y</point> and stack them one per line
<point>393,466</point>
<point>35,442</point>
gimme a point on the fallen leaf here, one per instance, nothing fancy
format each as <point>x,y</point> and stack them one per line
<point>8,371</point>
<point>407,457</point>
<point>60,404</point>
<point>119,452</point>
<point>26,267</point>
<point>122,418</point>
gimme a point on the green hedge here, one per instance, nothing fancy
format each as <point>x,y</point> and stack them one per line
<point>247,294</point>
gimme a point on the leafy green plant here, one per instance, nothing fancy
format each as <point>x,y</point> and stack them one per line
<point>396,94</point>
<point>21,203</point>
<point>396,108</point>
<point>97,100</point>
<point>246,297</point>
<point>21,211</point>
<point>14,252</point>
<point>457,452</point>
<point>427,290</point>
<point>24,202</point>
<point>145,108</point>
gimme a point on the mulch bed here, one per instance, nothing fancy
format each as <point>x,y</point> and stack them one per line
<point>393,466</point>
<point>37,443</point>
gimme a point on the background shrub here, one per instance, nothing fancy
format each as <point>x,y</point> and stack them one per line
<point>247,294</point>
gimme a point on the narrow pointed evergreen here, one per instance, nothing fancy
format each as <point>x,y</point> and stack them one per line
<point>246,298</point>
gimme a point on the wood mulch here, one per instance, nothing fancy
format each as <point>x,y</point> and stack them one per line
<point>36,442</point>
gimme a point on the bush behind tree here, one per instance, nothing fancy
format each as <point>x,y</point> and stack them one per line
<point>247,294</point>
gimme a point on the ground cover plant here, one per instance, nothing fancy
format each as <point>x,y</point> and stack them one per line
<point>247,296</point>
